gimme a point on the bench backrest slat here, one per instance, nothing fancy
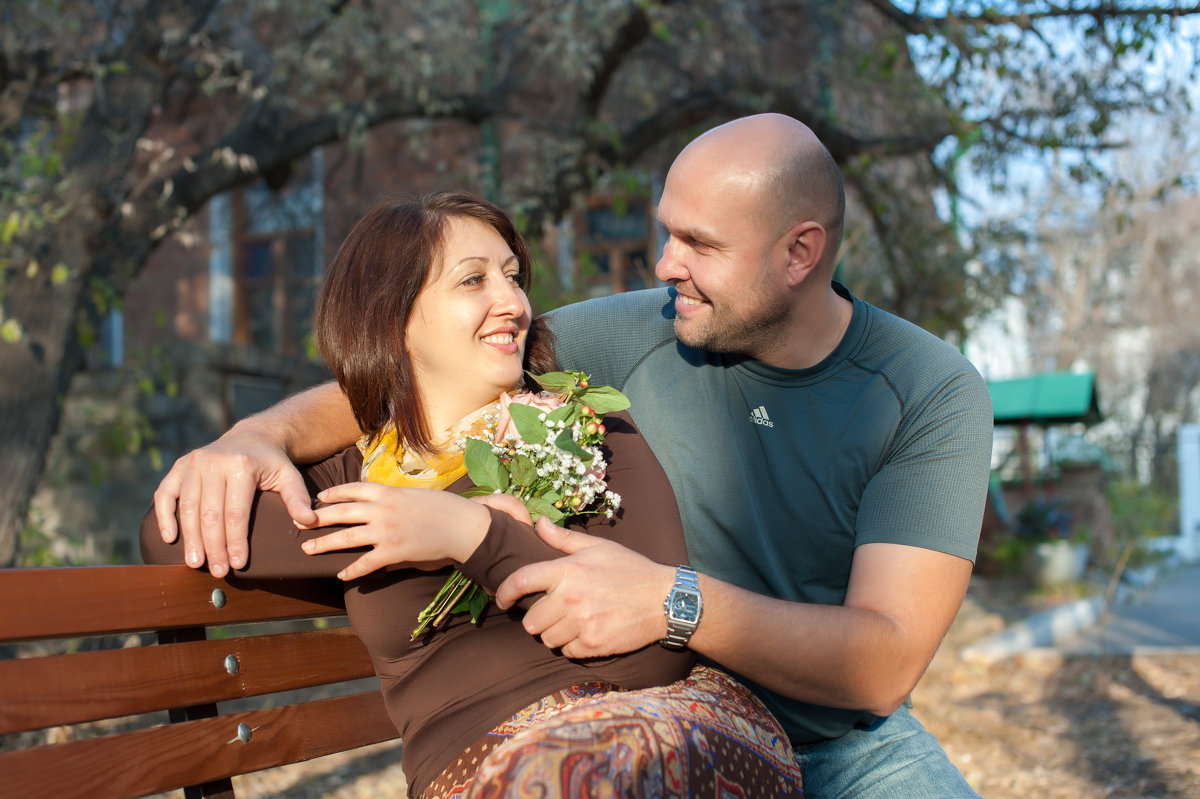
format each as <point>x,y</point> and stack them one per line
<point>80,601</point>
<point>185,673</point>
<point>150,761</point>
<point>87,686</point>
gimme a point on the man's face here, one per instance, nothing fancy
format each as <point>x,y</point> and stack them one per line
<point>724,265</point>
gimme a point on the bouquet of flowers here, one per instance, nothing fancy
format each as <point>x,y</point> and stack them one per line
<point>544,449</point>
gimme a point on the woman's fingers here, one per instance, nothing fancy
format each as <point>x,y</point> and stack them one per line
<point>348,538</point>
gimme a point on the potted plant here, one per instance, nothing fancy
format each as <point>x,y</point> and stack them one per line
<point>1057,555</point>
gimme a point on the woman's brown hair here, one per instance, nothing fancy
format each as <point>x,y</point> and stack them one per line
<point>368,294</point>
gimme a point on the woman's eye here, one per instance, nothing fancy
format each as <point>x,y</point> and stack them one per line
<point>473,280</point>
<point>515,277</point>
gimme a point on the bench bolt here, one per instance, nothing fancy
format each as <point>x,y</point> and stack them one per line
<point>244,732</point>
<point>231,664</point>
<point>218,598</point>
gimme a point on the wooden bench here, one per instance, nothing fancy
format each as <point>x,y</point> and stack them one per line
<point>195,747</point>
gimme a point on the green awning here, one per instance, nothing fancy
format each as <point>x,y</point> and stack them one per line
<point>1056,398</point>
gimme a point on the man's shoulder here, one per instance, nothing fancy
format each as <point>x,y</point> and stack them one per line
<point>645,308</point>
<point>609,336</point>
<point>916,363</point>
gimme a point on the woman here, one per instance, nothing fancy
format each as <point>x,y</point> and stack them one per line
<point>424,320</point>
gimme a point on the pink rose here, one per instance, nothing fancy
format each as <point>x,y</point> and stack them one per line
<point>505,428</point>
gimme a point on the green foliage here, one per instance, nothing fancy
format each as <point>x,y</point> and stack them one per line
<point>35,545</point>
<point>1140,512</point>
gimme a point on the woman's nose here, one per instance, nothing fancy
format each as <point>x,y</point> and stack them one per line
<point>508,299</point>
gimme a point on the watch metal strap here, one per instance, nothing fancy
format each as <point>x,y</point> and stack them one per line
<point>678,634</point>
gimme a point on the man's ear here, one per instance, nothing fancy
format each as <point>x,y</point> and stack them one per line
<point>805,248</point>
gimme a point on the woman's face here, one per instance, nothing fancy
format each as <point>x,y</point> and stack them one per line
<point>466,335</point>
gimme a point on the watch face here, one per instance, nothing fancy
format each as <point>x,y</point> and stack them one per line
<point>685,606</point>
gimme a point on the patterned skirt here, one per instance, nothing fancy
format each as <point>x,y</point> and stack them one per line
<point>706,735</point>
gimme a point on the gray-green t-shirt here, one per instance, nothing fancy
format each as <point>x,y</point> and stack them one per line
<point>781,473</point>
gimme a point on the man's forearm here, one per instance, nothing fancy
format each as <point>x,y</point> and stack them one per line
<point>308,426</point>
<point>866,654</point>
<point>828,655</point>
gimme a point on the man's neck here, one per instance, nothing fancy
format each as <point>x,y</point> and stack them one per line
<point>815,330</point>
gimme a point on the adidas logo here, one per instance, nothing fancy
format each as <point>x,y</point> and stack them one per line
<point>759,416</point>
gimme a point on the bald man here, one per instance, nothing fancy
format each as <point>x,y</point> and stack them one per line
<point>829,459</point>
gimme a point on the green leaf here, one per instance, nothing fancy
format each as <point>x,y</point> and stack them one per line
<point>531,429</point>
<point>544,506</point>
<point>483,467</point>
<point>477,603</point>
<point>10,228</point>
<point>523,470</point>
<point>564,413</point>
<point>11,331</point>
<point>604,399</point>
<point>555,382</point>
<point>567,444</point>
<point>476,491</point>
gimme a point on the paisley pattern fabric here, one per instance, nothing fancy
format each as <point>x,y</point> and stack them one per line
<point>706,735</point>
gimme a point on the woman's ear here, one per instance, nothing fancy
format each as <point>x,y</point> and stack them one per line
<point>806,246</point>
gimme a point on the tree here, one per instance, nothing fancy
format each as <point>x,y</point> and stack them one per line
<point>1111,284</point>
<point>121,118</point>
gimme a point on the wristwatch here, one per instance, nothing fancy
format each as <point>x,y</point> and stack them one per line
<point>683,606</point>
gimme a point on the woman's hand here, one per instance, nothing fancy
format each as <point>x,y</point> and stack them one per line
<point>414,526</point>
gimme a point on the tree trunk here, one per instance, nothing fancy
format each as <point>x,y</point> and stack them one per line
<point>41,365</point>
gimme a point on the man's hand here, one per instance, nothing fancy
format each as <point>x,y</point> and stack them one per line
<point>602,599</point>
<point>213,489</point>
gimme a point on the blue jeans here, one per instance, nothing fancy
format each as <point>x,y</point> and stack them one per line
<point>896,758</point>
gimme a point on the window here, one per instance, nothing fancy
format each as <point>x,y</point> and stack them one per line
<point>614,245</point>
<point>266,263</point>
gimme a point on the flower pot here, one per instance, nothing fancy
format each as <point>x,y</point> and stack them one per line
<point>1054,563</point>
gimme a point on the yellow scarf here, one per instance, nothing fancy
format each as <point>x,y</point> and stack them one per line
<point>386,461</point>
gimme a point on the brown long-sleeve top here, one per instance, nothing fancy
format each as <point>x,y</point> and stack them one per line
<point>446,689</point>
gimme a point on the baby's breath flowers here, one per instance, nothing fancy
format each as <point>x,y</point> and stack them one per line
<point>544,449</point>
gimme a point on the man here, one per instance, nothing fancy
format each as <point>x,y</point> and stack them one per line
<point>830,462</point>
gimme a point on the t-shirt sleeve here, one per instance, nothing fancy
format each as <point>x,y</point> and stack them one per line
<point>607,337</point>
<point>931,491</point>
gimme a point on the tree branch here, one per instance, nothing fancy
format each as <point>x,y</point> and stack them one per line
<point>919,24</point>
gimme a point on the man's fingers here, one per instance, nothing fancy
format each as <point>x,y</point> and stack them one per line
<point>239,497</point>
<point>296,499</point>
<point>531,579</point>
<point>562,539</point>
<point>189,522</point>
<point>166,501</point>
<point>508,504</point>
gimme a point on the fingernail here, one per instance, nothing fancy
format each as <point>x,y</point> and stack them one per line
<point>218,570</point>
<point>308,546</point>
<point>237,561</point>
<point>193,559</point>
<point>341,575</point>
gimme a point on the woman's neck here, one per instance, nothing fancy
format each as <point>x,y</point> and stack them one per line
<point>442,415</point>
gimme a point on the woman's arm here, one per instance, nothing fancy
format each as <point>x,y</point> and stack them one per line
<point>274,540</point>
<point>208,493</point>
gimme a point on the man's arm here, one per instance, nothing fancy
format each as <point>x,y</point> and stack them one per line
<point>866,654</point>
<point>214,486</point>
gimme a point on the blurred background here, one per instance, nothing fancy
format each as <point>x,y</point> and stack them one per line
<point>1022,180</point>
